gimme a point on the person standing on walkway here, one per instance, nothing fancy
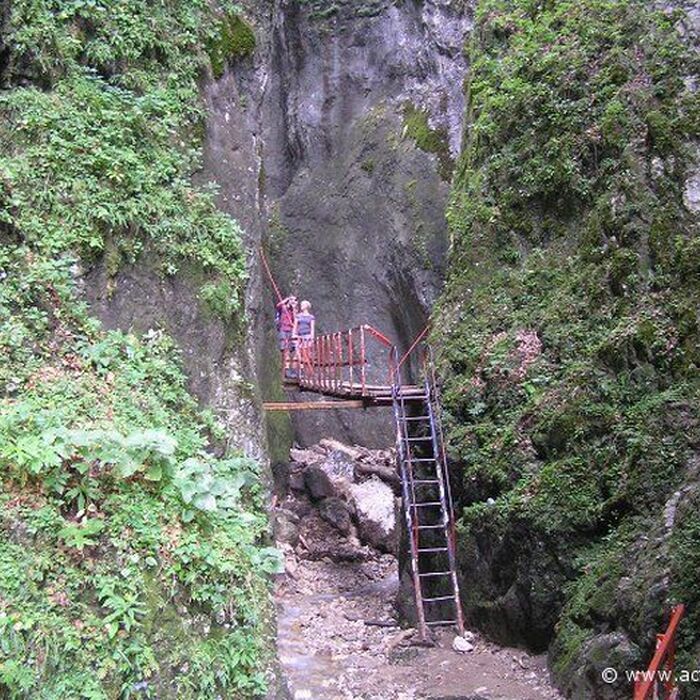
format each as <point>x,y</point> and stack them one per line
<point>304,332</point>
<point>305,324</point>
<point>286,319</point>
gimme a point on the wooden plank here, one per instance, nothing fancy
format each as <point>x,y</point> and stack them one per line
<point>311,405</point>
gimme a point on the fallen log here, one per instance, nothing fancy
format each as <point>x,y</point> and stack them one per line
<point>354,453</point>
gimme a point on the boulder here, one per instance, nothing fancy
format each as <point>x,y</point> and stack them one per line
<point>322,540</point>
<point>590,676</point>
<point>296,480</point>
<point>376,514</point>
<point>462,645</point>
<point>280,479</point>
<point>336,512</point>
<point>299,504</point>
<point>339,466</point>
<point>306,457</point>
<point>318,483</point>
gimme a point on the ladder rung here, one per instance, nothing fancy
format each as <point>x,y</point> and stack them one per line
<point>432,549</point>
<point>416,417</point>
<point>442,622</point>
<point>426,481</point>
<point>424,459</point>
<point>435,573</point>
<point>442,597</point>
<point>431,527</point>
<point>425,505</point>
<point>419,439</point>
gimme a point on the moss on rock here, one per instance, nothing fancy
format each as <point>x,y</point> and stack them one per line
<point>417,128</point>
<point>234,39</point>
<point>564,334</point>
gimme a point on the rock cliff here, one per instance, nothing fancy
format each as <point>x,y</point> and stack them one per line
<point>333,144</point>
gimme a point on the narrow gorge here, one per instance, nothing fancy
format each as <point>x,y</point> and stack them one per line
<point>521,176</point>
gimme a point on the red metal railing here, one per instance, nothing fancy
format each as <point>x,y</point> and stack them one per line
<point>658,681</point>
<point>353,362</point>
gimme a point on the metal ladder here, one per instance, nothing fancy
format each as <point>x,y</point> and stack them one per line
<point>427,504</point>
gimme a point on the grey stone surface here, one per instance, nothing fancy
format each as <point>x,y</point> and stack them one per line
<point>286,526</point>
<point>220,371</point>
<point>336,512</point>
<point>306,142</point>
<point>318,483</point>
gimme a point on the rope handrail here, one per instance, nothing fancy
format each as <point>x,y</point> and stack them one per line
<point>266,265</point>
<point>412,347</point>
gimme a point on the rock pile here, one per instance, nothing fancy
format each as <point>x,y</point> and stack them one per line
<point>338,502</point>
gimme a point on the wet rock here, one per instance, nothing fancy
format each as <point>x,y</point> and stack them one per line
<point>299,506</point>
<point>280,479</point>
<point>318,483</point>
<point>339,466</point>
<point>286,526</point>
<point>605,651</point>
<point>323,541</point>
<point>691,193</point>
<point>376,517</point>
<point>306,457</point>
<point>335,512</point>
<point>296,480</point>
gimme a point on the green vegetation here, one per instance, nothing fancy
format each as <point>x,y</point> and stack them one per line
<point>132,560</point>
<point>568,333</point>
<point>234,39</point>
<point>417,128</point>
<point>107,151</point>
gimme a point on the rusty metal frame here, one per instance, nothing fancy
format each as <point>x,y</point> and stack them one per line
<point>664,658</point>
<point>337,364</point>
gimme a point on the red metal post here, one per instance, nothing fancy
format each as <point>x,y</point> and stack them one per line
<point>350,362</point>
<point>363,370</point>
<point>334,343</point>
<point>665,654</point>
<point>331,368</point>
<point>339,345</point>
<point>317,362</point>
<point>323,361</point>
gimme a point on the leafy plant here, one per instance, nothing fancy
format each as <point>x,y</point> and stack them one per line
<point>82,534</point>
<point>211,486</point>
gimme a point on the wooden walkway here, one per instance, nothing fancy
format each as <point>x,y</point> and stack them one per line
<point>354,395</point>
<point>357,367</point>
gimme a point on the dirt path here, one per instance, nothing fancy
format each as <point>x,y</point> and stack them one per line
<point>334,516</point>
<point>329,653</point>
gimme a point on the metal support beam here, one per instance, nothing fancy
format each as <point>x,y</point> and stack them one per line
<point>312,405</point>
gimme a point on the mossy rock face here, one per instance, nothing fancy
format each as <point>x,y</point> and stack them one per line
<point>417,128</point>
<point>565,341</point>
<point>113,581</point>
<point>234,40</point>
